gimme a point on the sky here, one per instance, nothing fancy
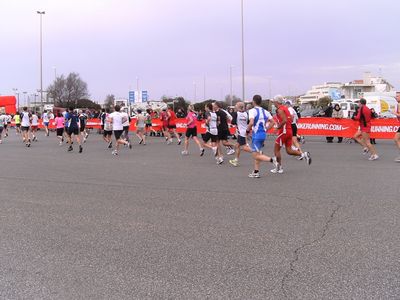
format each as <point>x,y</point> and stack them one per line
<point>171,47</point>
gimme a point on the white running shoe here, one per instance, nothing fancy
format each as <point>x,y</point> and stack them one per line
<point>169,142</point>
<point>277,170</point>
<point>184,152</point>
<point>254,175</point>
<point>115,152</point>
<point>365,151</point>
<point>214,149</point>
<point>308,157</point>
<point>275,162</point>
<point>234,162</point>
<point>220,160</point>
<point>230,152</point>
<point>397,159</point>
<point>373,157</point>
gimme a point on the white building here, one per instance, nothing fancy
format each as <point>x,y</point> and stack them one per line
<point>351,90</point>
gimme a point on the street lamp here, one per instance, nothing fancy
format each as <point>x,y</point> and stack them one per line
<point>231,86</point>
<point>16,93</point>
<point>243,90</point>
<point>41,13</point>
<point>55,73</point>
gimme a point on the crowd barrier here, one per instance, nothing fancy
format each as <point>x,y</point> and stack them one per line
<point>381,128</point>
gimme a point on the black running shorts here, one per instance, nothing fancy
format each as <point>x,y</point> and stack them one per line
<point>191,132</point>
<point>117,134</point>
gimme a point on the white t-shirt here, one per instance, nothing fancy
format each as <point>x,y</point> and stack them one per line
<point>212,125</point>
<point>45,118</point>
<point>241,122</point>
<point>293,113</point>
<point>126,117</point>
<point>3,121</point>
<point>117,122</point>
<point>25,121</point>
<point>35,120</point>
<point>259,126</point>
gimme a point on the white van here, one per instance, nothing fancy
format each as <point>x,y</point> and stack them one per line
<point>348,107</point>
<point>382,105</point>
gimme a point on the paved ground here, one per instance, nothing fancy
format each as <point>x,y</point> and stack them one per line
<point>151,224</point>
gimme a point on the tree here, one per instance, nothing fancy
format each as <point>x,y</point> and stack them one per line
<point>109,102</point>
<point>67,91</point>
<point>234,99</point>
<point>86,103</point>
<point>178,102</point>
<point>324,101</point>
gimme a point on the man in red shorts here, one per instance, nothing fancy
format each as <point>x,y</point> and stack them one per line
<point>285,135</point>
<point>362,135</point>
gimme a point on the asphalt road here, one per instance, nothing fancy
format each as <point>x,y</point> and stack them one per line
<point>151,224</point>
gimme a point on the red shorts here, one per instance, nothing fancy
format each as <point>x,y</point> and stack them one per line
<point>34,127</point>
<point>284,139</point>
<point>365,129</point>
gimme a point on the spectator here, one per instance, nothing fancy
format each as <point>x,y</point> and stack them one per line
<point>337,113</point>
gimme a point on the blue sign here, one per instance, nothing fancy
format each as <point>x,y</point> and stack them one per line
<point>131,97</point>
<point>145,96</point>
<point>335,94</point>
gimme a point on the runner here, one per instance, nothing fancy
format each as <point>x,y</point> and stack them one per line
<point>397,135</point>
<point>172,125</point>
<point>25,126</point>
<point>242,119</point>
<point>102,118</point>
<point>284,128</point>
<point>148,122</point>
<point>294,117</point>
<point>260,121</point>
<point>17,120</point>
<point>125,126</point>
<point>60,123</point>
<point>140,127</point>
<point>362,135</point>
<point>34,126</point>
<point>83,117</point>
<point>164,121</point>
<point>7,125</point>
<point>212,131</point>
<point>3,124</point>
<point>117,120</point>
<point>73,129</point>
<point>107,128</point>
<point>46,120</point>
<point>191,131</point>
<point>223,131</point>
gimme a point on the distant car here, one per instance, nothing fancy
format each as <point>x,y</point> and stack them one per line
<point>388,115</point>
<point>308,113</point>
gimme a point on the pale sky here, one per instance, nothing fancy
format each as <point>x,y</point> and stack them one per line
<point>171,45</point>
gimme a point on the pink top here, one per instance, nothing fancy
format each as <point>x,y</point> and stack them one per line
<point>59,122</point>
<point>191,117</point>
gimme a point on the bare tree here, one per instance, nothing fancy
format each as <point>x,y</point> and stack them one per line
<point>68,91</point>
<point>109,102</point>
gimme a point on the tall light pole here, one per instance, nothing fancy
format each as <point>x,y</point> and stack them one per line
<point>269,88</point>
<point>243,87</point>
<point>231,86</point>
<point>55,73</point>
<point>41,13</point>
<point>25,103</point>
<point>16,93</point>
<point>137,88</point>
<point>195,91</point>
<point>204,86</point>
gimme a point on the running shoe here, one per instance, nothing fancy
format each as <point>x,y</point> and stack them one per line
<point>365,151</point>
<point>275,162</point>
<point>109,145</point>
<point>1,141</point>
<point>70,148</point>
<point>277,170</point>
<point>179,141</point>
<point>234,162</point>
<point>397,159</point>
<point>307,156</point>
<point>115,152</point>
<point>130,145</point>
<point>201,151</point>
<point>141,141</point>
<point>169,142</point>
<point>61,143</point>
<point>220,160</point>
<point>373,157</point>
<point>230,151</point>
<point>254,175</point>
<point>184,152</point>
<point>80,149</point>
<point>214,149</point>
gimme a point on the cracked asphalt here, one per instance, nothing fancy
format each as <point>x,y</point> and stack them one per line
<point>151,224</point>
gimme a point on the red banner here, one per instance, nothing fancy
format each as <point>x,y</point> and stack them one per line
<point>381,128</point>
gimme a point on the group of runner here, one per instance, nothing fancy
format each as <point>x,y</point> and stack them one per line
<point>252,126</point>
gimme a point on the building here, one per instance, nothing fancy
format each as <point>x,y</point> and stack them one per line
<point>351,90</point>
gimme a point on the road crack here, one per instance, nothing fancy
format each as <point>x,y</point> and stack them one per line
<point>303,246</point>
